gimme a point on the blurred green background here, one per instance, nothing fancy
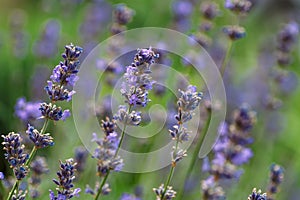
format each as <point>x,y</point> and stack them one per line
<point>24,73</point>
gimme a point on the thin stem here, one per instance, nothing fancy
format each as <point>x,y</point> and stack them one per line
<point>226,58</point>
<point>116,154</point>
<point>171,171</point>
<point>101,186</point>
<point>196,153</point>
<point>15,186</point>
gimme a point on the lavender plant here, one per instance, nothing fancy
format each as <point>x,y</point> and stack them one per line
<point>230,152</point>
<point>188,101</point>
<point>64,74</point>
<point>135,89</point>
<point>65,181</point>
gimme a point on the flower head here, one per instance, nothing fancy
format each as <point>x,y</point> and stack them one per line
<point>234,32</point>
<point>65,181</point>
<point>27,110</point>
<point>276,178</point>
<point>15,154</point>
<point>105,153</point>
<point>162,194</point>
<point>39,140</point>
<point>137,78</point>
<point>238,6</point>
<point>257,195</point>
<point>52,112</point>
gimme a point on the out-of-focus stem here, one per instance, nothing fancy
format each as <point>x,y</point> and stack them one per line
<point>226,58</point>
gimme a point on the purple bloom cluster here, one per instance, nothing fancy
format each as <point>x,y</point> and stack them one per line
<point>39,140</point>
<point>21,195</point>
<point>52,112</point>
<point>64,183</point>
<point>46,45</point>
<point>188,101</point>
<point>38,168</point>
<point>231,151</point>
<point>80,157</point>
<point>105,189</point>
<point>129,197</point>
<point>238,6</point>
<point>137,78</point>
<point>209,10</point>
<point>122,15</point>
<point>105,153</point>
<point>276,178</point>
<point>168,194</point>
<point>257,195</point>
<point>234,32</point>
<point>15,154</point>
<point>64,74</point>
<point>286,39</point>
<point>27,110</point>
<point>134,118</point>
<point>182,10</point>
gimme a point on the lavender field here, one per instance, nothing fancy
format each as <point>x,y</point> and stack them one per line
<point>141,100</point>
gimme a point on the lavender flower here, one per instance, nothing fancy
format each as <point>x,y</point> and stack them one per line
<point>105,189</point>
<point>231,151</point>
<point>15,154</point>
<point>238,6</point>
<point>1,176</point>
<point>122,15</point>
<point>188,101</point>
<point>209,10</point>
<point>162,194</point>
<point>39,140</point>
<point>234,32</point>
<point>64,74</point>
<point>46,45</point>
<point>129,197</point>
<point>137,78</point>
<point>81,155</point>
<point>286,39</point>
<point>27,110</point>
<point>257,195</point>
<point>58,93</point>
<point>105,153</point>
<point>38,167</point>
<point>182,10</point>
<point>134,118</point>
<point>276,178</point>
<point>52,112</point>
<point>211,190</point>
<point>64,182</point>
<point>21,195</point>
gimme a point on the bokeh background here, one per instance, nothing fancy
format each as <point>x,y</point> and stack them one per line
<point>32,37</point>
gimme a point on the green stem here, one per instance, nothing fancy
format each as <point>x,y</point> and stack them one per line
<point>171,171</point>
<point>2,190</point>
<point>15,186</point>
<point>196,153</point>
<point>226,58</point>
<point>116,154</point>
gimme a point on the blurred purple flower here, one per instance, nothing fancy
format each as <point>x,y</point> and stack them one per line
<point>27,110</point>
